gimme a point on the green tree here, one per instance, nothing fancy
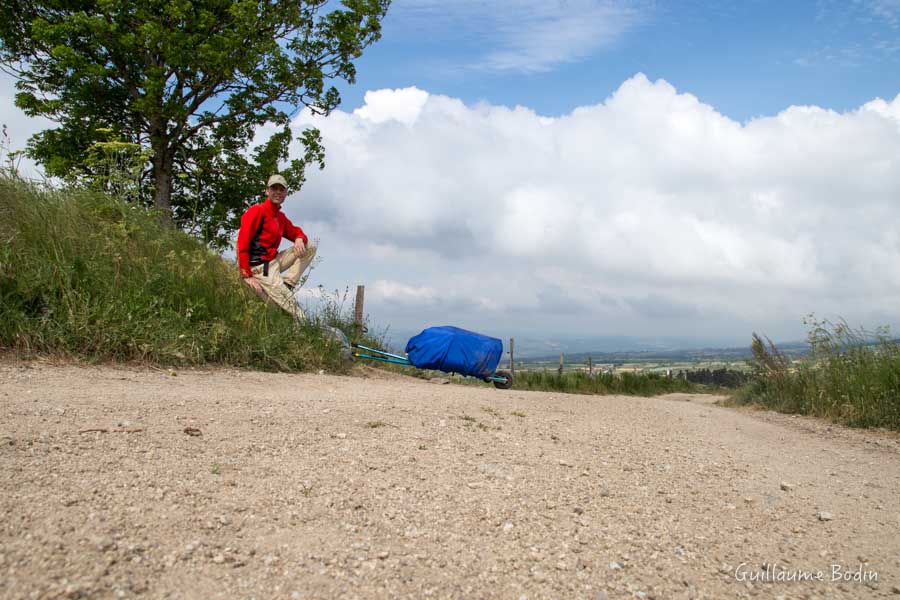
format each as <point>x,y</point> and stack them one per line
<point>190,81</point>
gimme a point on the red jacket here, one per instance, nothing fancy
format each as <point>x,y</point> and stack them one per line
<point>262,227</point>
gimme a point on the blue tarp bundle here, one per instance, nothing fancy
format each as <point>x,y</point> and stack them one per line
<point>455,350</point>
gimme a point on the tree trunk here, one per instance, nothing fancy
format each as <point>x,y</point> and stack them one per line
<point>162,192</point>
<point>163,160</point>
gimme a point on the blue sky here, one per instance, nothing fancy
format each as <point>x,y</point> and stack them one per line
<point>748,58</point>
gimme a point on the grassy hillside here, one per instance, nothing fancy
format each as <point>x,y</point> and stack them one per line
<point>851,377</point>
<point>89,276</point>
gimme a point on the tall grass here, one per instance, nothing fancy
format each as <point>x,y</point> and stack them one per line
<point>851,377</point>
<point>639,384</point>
<point>86,275</point>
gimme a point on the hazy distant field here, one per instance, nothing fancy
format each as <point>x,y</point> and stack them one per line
<point>630,366</point>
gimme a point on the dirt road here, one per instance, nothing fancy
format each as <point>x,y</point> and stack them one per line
<point>313,486</point>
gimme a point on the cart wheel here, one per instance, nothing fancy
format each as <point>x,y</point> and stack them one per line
<point>503,385</point>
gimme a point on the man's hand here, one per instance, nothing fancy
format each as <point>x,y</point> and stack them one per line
<point>253,283</point>
<point>299,247</point>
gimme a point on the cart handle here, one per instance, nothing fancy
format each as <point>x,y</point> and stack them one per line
<point>380,353</point>
<point>394,361</point>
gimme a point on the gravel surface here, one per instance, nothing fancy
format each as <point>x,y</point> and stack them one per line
<point>231,484</point>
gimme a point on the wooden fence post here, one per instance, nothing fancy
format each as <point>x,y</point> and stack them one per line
<point>590,367</point>
<point>512,359</point>
<point>358,307</point>
<point>560,364</point>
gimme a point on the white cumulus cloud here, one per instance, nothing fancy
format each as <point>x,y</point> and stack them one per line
<point>399,105</point>
<point>648,212</point>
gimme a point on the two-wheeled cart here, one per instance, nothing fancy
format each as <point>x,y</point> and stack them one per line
<point>450,350</point>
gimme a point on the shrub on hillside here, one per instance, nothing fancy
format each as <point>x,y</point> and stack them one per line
<point>851,377</point>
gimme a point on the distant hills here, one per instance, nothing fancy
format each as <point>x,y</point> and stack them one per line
<point>610,349</point>
<point>791,349</point>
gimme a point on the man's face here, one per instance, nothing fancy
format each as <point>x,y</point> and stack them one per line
<point>277,193</point>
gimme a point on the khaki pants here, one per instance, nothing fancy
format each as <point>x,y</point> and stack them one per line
<point>273,284</point>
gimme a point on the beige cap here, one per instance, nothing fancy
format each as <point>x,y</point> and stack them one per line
<point>276,180</point>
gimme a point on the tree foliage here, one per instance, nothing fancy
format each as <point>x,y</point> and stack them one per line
<point>191,82</point>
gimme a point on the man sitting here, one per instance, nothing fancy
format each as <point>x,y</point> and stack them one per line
<point>271,273</point>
